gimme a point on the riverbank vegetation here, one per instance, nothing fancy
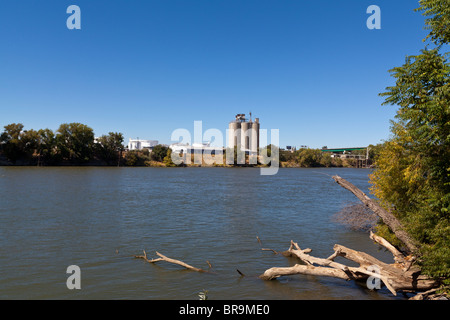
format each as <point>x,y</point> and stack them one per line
<point>71,144</point>
<point>411,179</point>
<point>412,176</point>
<point>76,144</point>
<point>311,158</point>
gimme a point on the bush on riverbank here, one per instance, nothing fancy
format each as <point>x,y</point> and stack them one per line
<point>412,179</point>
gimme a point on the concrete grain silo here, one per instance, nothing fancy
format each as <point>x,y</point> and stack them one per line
<point>244,134</point>
<point>234,134</point>
<point>254,146</point>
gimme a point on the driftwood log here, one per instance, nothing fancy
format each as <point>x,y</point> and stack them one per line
<point>399,276</point>
<point>170,260</point>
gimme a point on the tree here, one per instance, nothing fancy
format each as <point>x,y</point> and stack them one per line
<point>47,146</point>
<point>310,158</point>
<point>75,142</point>
<point>10,139</point>
<point>19,143</point>
<point>109,147</point>
<point>168,159</point>
<point>412,178</point>
<point>131,158</point>
<point>159,152</point>
<point>438,20</point>
<point>29,143</point>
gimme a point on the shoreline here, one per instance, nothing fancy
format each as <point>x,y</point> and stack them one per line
<point>164,166</point>
<point>147,163</point>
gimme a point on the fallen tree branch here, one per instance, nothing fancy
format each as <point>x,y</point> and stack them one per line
<point>275,272</point>
<point>388,218</point>
<point>398,256</point>
<point>394,276</point>
<point>430,295</point>
<point>170,260</point>
<point>240,273</point>
<point>264,249</point>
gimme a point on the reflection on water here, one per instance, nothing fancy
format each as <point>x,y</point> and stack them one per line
<point>98,218</point>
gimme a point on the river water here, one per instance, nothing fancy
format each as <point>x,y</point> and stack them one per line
<point>99,218</point>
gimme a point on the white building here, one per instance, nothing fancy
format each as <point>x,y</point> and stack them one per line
<point>194,148</point>
<point>137,144</point>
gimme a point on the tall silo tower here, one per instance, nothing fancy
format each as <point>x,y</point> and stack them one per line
<point>244,134</point>
<point>254,145</point>
<point>234,133</point>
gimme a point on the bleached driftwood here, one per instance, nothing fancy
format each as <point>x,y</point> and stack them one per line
<point>396,277</point>
<point>170,260</point>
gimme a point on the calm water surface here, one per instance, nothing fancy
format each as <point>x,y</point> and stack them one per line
<point>98,218</point>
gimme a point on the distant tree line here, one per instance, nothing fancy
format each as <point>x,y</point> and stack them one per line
<point>75,143</point>
<point>72,143</point>
<point>307,158</point>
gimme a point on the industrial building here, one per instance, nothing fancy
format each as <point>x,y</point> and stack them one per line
<point>244,134</point>
<point>195,148</point>
<point>137,144</point>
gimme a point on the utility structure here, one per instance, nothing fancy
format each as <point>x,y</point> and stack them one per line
<point>244,134</point>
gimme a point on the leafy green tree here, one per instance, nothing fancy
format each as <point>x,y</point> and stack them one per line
<point>10,140</point>
<point>412,176</point>
<point>438,20</point>
<point>19,143</point>
<point>168,159</point>
<point>47,146</point>
<point>310,158</point>
<point>29,143</point>
<point>159,152</point>
<point>12,132</point>
<point>131,158</point>
<point>374,151</point>
<point>26,144</point>
<point>75,142</point>
<point>109,147</point>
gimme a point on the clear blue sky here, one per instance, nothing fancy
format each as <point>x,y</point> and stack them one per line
<point>311,69</point>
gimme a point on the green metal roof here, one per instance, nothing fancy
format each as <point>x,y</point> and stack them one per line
<point>343,149</point>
